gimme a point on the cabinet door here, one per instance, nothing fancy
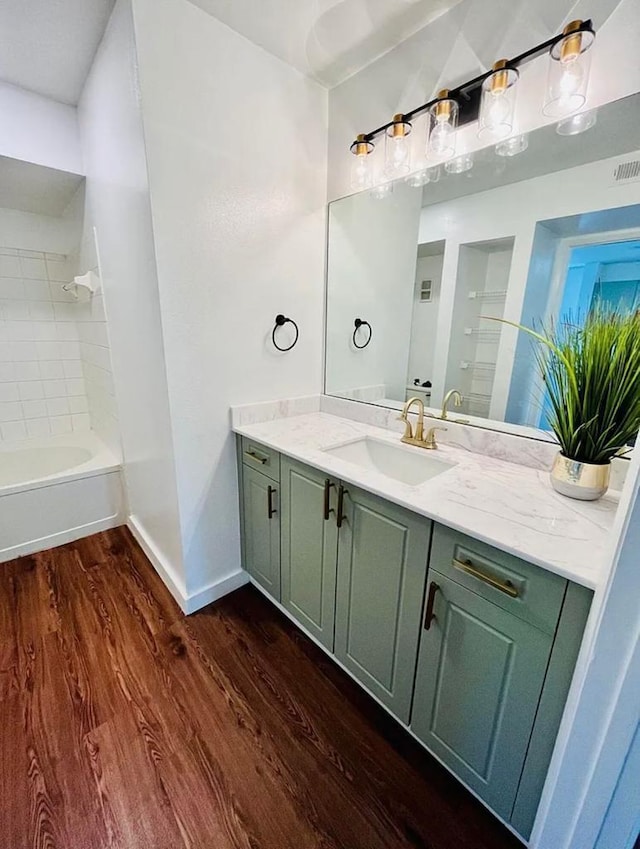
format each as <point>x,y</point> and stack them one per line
<point>479,678</point>
<point>382,564</point>
<point>309,549</point>
<point>261,530</point>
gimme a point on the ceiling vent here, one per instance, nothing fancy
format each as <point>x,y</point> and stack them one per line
<point>627,172</point>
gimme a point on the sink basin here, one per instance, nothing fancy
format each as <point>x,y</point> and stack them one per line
<point>411,466</point>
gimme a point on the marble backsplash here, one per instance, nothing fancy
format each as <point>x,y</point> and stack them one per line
<point>533,453</point>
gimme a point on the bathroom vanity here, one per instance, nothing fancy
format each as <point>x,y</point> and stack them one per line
<point>457,601</point>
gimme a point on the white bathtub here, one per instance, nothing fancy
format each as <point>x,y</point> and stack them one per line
<point>55,490</point>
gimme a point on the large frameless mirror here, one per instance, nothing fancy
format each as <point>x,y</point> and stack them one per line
<point>418,276</point>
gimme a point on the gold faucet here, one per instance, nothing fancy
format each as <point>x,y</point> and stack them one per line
<point>418,438</point>
<point>430,438</point>
<point>457,400</point>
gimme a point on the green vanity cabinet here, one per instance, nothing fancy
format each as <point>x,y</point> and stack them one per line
<point>382,565</point>
<point>470,647</point>
<point>309,548</point>
<point>498,646</point>
<point>478,682</point>
<point>261,528</point>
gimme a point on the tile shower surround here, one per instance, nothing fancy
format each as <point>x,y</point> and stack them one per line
<point>42,385</point>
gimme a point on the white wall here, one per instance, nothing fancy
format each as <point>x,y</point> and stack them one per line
<point>95,348</point>
<point>36,129</point>
<point>236,144</point>
<point>424,322</point>
<point>465,42</point>
<point>368,280</point>
<point>118,200</point>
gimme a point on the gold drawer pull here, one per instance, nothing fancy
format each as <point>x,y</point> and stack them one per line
<point>504,586</point>
<point>255,456</point>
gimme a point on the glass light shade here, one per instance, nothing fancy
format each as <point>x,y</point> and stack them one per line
<point>397,150</point>
<point>568,76</point>
<point>444,121</point>
<point>498,103</point>
<point>418,179</point>
<point>460,164</point>
<point>362,164</point>
<point>382,191</point>
<point>576,124</point>
<point>513,146</point>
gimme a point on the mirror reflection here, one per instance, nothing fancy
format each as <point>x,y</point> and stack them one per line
<point>417,278</point>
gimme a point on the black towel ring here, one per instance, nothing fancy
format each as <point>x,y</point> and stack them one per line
<point>281,320</point>
<point>358,324</point>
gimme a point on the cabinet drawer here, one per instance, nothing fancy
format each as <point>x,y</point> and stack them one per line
<point>524,590</point>
<point>261,458</point>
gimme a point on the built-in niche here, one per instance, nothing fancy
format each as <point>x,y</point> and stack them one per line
<point>424,321</point>
<point>481,289</point>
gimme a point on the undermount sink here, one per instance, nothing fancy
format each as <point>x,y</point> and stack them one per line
<point>411,466</point>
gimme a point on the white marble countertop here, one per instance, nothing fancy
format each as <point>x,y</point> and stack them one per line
<point>506,505</point>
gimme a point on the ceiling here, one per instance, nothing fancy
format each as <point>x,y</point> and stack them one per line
<point>328,40</point>
<point>34,188</point>
<point>47,46</point>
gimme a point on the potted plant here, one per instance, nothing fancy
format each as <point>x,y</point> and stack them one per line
<point>591,373</point>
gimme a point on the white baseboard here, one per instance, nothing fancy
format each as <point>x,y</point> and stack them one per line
<point>162,566</point>
<point>215,590</point>
<point>188,603</point>
<point>60,538</point>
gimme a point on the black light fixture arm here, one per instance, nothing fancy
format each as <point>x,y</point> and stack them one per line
<point>469,92</point>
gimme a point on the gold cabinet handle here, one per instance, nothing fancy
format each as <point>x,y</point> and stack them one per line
<point>504,586</point>
<point>255,456</point>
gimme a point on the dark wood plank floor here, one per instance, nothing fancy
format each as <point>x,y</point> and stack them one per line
<point>125,724</point>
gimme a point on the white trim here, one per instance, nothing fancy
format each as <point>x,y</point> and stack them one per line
<point>215,590</point>
<point>60,538</point>
<point>406,728</point>
<point>188,602</point>
<point>166,571</point>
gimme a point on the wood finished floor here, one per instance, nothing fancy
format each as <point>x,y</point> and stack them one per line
<point>125,724</point>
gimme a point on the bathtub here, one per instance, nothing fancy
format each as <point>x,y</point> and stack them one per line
<point>56,490</point>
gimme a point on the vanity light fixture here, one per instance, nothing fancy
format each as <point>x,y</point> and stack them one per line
<point>568,76</point>
<point>489,98</point>
<point>498,102</point>
<point>362,166</point>
<point>513,146</point>
<point>396,147</point>
<point>576,124</point>
<point>418,179</point>
<point>441,143</point>
<point>460,164</point>
<point>382,191</point>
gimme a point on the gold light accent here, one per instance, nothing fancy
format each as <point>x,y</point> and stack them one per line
<point>443,108</point>
<point>361,147</point>
<point>572,46</point>
<point>499,80</point>
<point>399,125</point>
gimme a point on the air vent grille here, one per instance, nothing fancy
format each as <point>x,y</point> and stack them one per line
<point>627,171</point>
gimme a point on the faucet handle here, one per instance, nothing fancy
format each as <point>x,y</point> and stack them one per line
<point>430,438</point>
<point>408,430</point>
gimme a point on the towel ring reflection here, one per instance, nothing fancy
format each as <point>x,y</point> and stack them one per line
<point>281,320</point>
<point>359,322</point>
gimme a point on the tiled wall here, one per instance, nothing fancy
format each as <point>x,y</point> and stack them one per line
<point>42,386</point>
<point>95,351</point>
